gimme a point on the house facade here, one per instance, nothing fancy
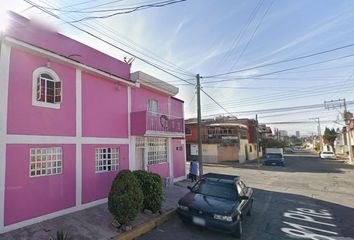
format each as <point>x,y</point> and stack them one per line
<point>71,118</point>
<point>223,139</point>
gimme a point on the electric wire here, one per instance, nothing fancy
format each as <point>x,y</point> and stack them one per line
<point>105,41</point>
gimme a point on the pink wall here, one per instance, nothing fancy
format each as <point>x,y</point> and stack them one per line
<point>35,34</point>
<point>176,108</point>
<point>179,158</point>
<point>162,169</point>
<point>96,186</point>
<point>140,98</point>
<point>104,108</point>
<point>23,118</point>
<point>28,197</point>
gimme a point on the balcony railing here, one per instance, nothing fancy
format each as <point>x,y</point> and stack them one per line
<point>145,122</point>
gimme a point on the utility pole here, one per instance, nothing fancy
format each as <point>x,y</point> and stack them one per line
<point>199,117</point>
<point>333,104</point>
<point>257,139</point>
<point>319,132</point>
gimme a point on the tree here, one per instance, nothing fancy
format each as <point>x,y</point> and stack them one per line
<point>330,136</point>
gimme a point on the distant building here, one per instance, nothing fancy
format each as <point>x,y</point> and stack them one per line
<point>297,133</point>
<point>283,133</point>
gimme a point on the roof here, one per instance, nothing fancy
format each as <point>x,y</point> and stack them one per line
<point>228,125</point>
<point>154,83</point>
<point>35,34</point>
<point>224,178</point>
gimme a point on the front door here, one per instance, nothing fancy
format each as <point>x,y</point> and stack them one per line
<point>139,159</point>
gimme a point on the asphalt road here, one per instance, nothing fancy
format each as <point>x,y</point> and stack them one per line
<point>309,198</point>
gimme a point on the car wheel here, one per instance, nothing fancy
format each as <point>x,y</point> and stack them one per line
<point>238,232</point>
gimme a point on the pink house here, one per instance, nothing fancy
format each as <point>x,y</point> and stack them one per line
<point>71,118</point>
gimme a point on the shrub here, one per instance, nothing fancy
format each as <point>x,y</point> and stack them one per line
<point>151,184</point>
<point>125,198</point>
<point>61,235</point>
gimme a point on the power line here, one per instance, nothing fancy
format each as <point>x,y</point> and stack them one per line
<point>252,36</point>
<point>125,10</point>
<point>282,70</point>
<point>283,61</point>
<point>105,41</point>
<point>217,103</point>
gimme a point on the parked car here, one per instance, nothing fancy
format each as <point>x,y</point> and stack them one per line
<point>274,159</point>
<point>218,202</point>
<point>327,154</point>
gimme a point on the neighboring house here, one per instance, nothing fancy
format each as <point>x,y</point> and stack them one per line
<point>343,137</point>
<point>71,118</point>
<point>223,139</point>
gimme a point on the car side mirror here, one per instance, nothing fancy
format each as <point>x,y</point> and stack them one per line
<point>190,188</point>
<point>244,197</point>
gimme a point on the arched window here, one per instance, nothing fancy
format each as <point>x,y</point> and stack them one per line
<point>47,88</point>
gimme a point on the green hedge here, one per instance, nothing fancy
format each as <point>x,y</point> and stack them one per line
<point>151,185</point>
<point>125,198</point>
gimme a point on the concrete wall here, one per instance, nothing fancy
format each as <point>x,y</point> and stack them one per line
<point>228,153</point>
<point>210,153</point>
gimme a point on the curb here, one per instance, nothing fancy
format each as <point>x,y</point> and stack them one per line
<point>146,227</point>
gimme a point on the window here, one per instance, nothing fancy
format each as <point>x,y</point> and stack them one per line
<point>107,159</point>
<point>47,88</point>
<point>153,105</point>
<point>189,131</point>
<point>45,161</point>
<point>250,148</point>
<point>157,150</point>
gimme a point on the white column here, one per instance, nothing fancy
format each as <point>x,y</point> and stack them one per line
<point>170,156</point>
<point>132,164</point>
<point>78,137</point>
<point>4,86</point>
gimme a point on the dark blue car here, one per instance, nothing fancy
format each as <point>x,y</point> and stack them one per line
<point>274,159</point>
<point>218,202</point>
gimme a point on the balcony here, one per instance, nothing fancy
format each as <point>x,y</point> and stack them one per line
<point>146,123</point>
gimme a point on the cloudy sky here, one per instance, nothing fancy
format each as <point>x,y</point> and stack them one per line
<point>262,57</point>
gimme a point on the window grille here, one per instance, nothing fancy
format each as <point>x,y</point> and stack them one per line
<point>107,159</point>
<point>157,150</point>
<point>140,142</point>
<point>45,161</point>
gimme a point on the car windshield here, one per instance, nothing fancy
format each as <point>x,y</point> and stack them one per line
<point>274,155</point>
<point>328,153</point>
<point>216,189</point>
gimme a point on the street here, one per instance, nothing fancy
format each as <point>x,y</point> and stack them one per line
<point>309,198</point>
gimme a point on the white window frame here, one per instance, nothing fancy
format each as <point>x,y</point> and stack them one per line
<point>45,161</point>
<point>36,74</point>
<point>157,150</point>
<point>153,105</point>
<point>102,159</point>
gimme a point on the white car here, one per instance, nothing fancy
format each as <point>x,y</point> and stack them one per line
<point>327,154</point>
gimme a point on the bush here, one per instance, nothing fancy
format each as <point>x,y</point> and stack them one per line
<point>125,198</point>
<point>151,184</point>
<point>61,235</point>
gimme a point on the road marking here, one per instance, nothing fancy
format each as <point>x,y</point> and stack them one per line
<point>303,231</point>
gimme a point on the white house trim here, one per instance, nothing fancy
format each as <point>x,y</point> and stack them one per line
<point>78,137</point>
<point>35,75</point>
<point>36,139</point>
<point>5,52</point>
<point>46,54</point>
<point>170,156</point>
<point>51,215</point>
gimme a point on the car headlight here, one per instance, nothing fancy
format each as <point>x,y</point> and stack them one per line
<point>223,218</point>
<point>182,207</point>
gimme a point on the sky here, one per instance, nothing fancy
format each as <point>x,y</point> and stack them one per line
<point>281,53</point>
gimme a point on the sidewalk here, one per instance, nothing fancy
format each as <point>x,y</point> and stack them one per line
<point>93,223</point>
